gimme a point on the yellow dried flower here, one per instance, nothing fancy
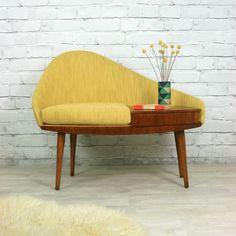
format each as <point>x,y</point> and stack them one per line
<point>160,42</point>
<point>162,52</point>
<point>172,45</point>
<point>179,46</point>
<point>151,45</point>
<point>172,52</point>
<point>177,52</point>
<point>165,60</point>
<point>165,45</point>
<point>144,51</point>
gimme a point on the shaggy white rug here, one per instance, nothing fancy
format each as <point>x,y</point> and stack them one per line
<point>26,216</point>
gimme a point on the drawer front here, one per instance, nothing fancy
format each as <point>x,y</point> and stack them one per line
<point>164,118</point>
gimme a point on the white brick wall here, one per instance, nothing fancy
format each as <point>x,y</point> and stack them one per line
<point>33,32</point>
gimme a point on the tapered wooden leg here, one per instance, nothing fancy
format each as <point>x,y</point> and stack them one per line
<point>181,149</point>
<point>73,138</point>
<point>60,149</point>
<point>178,155</point>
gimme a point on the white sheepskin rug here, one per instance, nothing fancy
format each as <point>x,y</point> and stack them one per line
<point>26,216</point>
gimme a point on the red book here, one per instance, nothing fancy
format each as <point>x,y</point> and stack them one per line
<point>148,107</point>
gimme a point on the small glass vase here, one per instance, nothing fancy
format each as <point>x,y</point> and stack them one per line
<point>164,92</point>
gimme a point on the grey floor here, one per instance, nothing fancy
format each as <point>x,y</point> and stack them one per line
<point>152,195</point>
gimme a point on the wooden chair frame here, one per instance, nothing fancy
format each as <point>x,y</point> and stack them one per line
<point>176,119</point>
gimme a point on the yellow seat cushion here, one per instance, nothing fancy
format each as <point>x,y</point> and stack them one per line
<point>87,113</point>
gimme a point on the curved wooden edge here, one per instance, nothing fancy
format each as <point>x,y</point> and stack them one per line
<point>117,130</point>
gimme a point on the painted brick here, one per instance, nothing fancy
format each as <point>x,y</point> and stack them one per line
<point>110,38</point>
<point>217,89</point>
<point>67,13</point>
<point>145,11</point>
<point>20,91</point>
<point>193,89</point>
<point>18,13</point>
<point>7,103</point>
<point>137,24</point>
<point>5,140</point>
<point>3,13</point>
<point>218,76</point>
<point>5,27</point>
<point>4,90</point>
<point>218,126</point>
<point>34,32</point>
<point>170,11</point>
<point>192,50</point>
<point>27,65</point>
<point>103,140</point>
<point>185,76</point>
<point>218,2</point>
<point>62,25</point>
<point>226,63</point>
<point>206,63</point>
<point>9,3</point>
<point>205,139</point>
<point>225,139</point>
<point>232,89</point>
<point>178,24</point>
<point>25,38</point>
<point>232,12</point>
<point>218,101</point>
<point>29,77</point>
<point>15,52</point>
<point>213,24</point>
<point>23,103</point>
<point>90,12</point>
<point>101,25</point>
<point>230,114</point>
<point>219,12</point>
<point>114,11</point>
<point>195,12</point>
<point>8,116</point>
<point>43,13</point>
<point>30,140</point>
<point>26,26</point>
<point>34,3</point>
<point>86,38</point>
<point>40,51</point>
<point>218,50</point>
<point>137,140</point>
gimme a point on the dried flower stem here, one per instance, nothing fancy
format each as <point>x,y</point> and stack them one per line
<point>169,64</point>
<point>152,66</point>
<point>171,67</point>
<point>158,66</point>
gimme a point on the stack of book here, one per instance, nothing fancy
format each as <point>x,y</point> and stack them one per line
<point>150,107</point>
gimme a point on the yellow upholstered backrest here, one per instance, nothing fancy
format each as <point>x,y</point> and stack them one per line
<point>81,76</point>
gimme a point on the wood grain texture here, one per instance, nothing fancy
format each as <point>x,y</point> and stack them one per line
<point>178,156</point>
<point>142,122</point>
<point>173,116</point>
<point>117,130</point>
<point>176,119</point>
<point>60,150</point>
<point>73,138</point>
<point>181,150</point>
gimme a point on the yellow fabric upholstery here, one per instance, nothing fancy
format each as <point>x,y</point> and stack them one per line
<point>87,113</point>
<point>86,77</point>
<point>185,100</point>
<point>80,76</point>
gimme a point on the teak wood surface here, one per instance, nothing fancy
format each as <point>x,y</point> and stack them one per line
<point>174,119</point>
